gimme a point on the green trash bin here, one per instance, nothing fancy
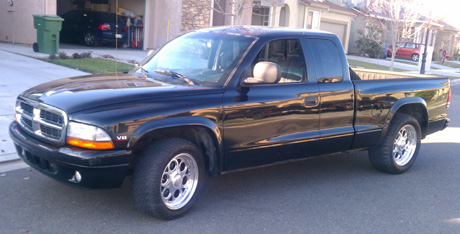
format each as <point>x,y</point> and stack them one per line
<point>48,28</point>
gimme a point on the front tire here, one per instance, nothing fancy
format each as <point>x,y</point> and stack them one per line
<point>168,178</point>
<point>400,146</point>
<point>90,39</point>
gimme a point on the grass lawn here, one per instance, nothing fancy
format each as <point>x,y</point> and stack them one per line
<point>93,65</point>
<point>449,64</point>
<point>355,63</point>
<point>404,61</point>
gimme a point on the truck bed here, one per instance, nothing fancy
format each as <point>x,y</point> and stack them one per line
<point>378,92</point>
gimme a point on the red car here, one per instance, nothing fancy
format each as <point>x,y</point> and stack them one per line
<point>408,50</point>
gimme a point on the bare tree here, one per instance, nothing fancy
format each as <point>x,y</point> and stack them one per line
<point>397,19</point>
<point>237,8</point>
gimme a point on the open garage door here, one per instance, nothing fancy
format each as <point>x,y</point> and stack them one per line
<point>129,32</point>
<point>338,29</point>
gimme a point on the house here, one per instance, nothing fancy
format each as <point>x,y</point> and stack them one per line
<point>308,14</point>
<point>448,40</point>
<point>166,19</point>
<point>441,36</point>
<point>162,19</point>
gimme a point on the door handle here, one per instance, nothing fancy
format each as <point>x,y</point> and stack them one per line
<point>311,101</point>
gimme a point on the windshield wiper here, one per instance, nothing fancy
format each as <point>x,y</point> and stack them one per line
<point>174,74</point>
<point>142,69</point>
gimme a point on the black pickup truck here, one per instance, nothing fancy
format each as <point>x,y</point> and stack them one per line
<point>220,99</point>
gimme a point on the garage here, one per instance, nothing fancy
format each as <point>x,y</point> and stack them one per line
<point>338,29</point>
<point>99,15</point>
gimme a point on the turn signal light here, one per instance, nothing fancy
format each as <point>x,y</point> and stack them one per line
<point>98,145</point>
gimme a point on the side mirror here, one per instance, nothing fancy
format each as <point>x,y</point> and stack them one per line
<point>265,73</point>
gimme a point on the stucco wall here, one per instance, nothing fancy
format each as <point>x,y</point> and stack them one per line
<point>20,15</point>
<point>157,14</point>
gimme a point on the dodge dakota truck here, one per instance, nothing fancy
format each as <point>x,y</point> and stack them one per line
<point>221,99</point>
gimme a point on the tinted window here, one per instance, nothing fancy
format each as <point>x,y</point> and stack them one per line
<point>288,55</point>
<point>327,61</point>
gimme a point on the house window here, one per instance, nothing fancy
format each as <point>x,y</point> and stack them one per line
<point>312,20</point>
<point>260,15</point>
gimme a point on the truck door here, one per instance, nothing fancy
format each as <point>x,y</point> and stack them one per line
<point>336,96</point>
<point>264,123</point>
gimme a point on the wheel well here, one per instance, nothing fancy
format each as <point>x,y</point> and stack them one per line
<point>200,136</point>
<point>419,112</point>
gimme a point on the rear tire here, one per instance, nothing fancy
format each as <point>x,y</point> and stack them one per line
<point>168,178</point>
<point>400,146</point>
<point>415,57</point>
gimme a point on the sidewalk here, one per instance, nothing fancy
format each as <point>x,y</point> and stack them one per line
<point>443,70</point>
<point>125,55</point>
<point>19,73</point>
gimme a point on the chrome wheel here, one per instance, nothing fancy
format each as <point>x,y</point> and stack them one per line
<point>179,181</point>
<point>415,57</point>
<point>404,145</point>
<point>90,39</point>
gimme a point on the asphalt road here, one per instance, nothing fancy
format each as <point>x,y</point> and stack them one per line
<point>331,194</point>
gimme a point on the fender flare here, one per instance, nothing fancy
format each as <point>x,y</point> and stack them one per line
<point>185,121</point>
<point>397,106</point>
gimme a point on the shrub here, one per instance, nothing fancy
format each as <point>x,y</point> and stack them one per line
<point>63,55</point>
<point>370,47</point>
<point>76,56</point>
<point>108,56</point>
<point>52,56</point>
<point>85,55</point>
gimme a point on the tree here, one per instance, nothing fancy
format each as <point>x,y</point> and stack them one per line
<point>397,19</point>
<point>236,11</point>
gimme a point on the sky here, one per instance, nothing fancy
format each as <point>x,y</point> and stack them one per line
<point>447,9</point>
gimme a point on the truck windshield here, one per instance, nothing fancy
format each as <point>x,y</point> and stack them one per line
<point>206,58</point>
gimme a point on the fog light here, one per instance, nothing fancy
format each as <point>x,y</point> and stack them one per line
<point>76,177</point>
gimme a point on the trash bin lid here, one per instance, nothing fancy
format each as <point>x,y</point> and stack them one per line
<point>49,17</point>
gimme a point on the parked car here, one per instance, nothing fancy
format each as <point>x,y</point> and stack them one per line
<point>93,28</point>
<point>408,50</point>
<point>218,100</point>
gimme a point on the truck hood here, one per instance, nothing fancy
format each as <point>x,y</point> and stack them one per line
<point>87,92</point>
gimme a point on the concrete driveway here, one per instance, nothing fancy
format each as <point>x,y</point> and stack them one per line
<point>125,55</point>
<point>19,73</point>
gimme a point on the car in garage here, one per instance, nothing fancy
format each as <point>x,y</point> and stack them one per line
<point>93,28</point>
<point>408,50</point>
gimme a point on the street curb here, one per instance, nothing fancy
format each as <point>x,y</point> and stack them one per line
<point>11,157</point>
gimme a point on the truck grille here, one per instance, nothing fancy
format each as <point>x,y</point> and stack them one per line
<point>46,122</point>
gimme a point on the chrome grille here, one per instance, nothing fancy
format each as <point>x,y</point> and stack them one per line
<point>46,122</point>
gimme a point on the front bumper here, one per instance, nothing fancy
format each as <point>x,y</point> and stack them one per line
<point>98,169</point>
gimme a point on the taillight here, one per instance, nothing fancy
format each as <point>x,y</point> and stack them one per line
<point>104,27</point>
<point>126,28</point>
<point>448,100</point>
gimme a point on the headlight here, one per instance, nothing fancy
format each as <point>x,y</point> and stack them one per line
<point>87,136</point>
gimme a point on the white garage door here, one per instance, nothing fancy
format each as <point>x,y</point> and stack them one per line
<point>337,29</point>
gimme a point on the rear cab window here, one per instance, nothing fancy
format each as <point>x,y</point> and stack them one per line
<point>327,61</point>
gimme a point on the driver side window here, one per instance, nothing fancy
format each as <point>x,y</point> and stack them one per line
<point>287,53</point>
